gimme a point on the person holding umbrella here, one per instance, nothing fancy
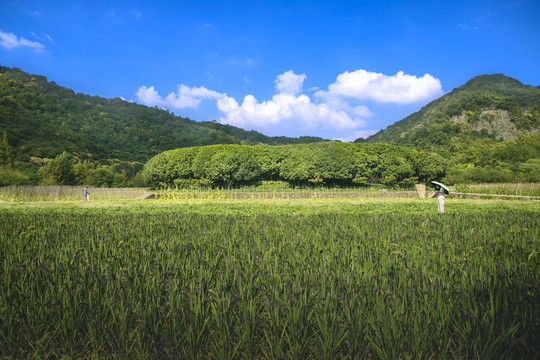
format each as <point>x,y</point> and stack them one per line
<point>440,190</point>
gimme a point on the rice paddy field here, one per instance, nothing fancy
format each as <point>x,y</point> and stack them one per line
<point>316,278</point>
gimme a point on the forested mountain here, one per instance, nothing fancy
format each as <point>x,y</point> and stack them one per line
<point>488,130</point>
<point>488,106</point>
<point>43,119</point>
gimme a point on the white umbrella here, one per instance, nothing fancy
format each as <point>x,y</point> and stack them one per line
<point>442,186</point>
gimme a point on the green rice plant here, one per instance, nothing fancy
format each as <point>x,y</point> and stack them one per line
<point>518,189</point>
<point>350,279</point>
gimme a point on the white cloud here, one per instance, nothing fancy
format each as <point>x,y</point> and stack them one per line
<point>335,112</point>
<point>186,97</point>
<point>10,41</point>
<point>284,110</point>
<point>288,108</point>
<point>399,88</point>
<point>149,96</point>
<point>339,103</point>
<point>289,82</point>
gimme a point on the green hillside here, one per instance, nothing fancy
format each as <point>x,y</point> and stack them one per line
<point>43,119</point>
<point>488,106</point>
<point>488,130</point>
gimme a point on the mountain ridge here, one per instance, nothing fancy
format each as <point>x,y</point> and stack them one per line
<point>487,106</point>
<point>486,131</point>
<point>43,119</point>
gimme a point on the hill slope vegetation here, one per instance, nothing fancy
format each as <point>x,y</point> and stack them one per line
<point>488,106</point>
<point>484,131</point>
<point>44,119</point>
<point>488,130</point>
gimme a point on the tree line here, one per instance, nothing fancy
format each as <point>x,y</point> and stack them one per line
<point>324,163</point>
<point>67,169</point>
<point>484,160</point>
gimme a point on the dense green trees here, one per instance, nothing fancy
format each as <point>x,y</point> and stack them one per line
<point>5,152</point>
<point>330,163</point>
<point>487,130</point>
<point>346,164</point>
<point>59,137</point>
<point>488,160</point>
<point>8,174</point>
<point>67,169</point>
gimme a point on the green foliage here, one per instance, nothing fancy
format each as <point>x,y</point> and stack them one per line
<point>360,180</point>
<point>329,163</point>
<point>59,170</point>
<point>200,280</point>
<point>485,160</point>
<point>531,170</point>
<point>6,159</point>
<point>317,180</point>
<point>460,126</point>
<point>334,162</point>
<point>81,171</point>
<point>10,176</point>
<point>298,164</point>
<point>430,166</point>
<point>65,169</point>
<point>193,184</point>
<point>101,177</point>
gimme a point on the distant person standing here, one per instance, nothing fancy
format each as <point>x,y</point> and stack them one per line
<point>86,194</point>
<point>440,199</point>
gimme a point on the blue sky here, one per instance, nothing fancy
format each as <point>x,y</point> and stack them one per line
<point>335,69</point>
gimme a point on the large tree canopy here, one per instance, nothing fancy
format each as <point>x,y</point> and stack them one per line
<point>332,163</point>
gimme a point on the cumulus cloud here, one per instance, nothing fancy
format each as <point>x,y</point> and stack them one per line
<point>284,110</point>
<point>149,96</point>
<point>399,88</point>
<point>292,113</point>
<point>289,82</point>
<point>190,96</point>
<point>185,97</point>
<point>11,41</point>
<point>287,108</point>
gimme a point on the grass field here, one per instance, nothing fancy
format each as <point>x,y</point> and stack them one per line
<point>528,189</point>
<point>320,278</point>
